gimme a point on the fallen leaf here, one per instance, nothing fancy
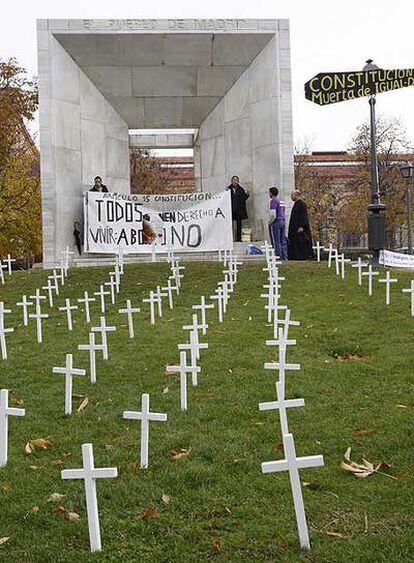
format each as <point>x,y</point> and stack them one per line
<point>149,513</point>
<point>179,453</point>
<point>401,406</point>
<point>168,373</point>
<point>229,512</point>
<point>362,432</point>
<point>165,498</point>
<point>335,535</point>
<point>29,448</point>
<point>204,394</point>
<point>134,466</point>
<point>59,510</point>
<point>165,390</point>
<point>359,470</point>
<point>6,487</point>
<point>35,508</point>
<point>73,516</point>
<point>83,404</point>
<point>34,467</point>
<point>55,497</point>
<point>41,443</point>
<point>3,539</point>
<point>16,401</point>
<point>217,544</point>
<point>58,462</point>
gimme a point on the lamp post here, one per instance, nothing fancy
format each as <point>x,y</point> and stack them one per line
<point>407,171</point>
<point>376,221</point>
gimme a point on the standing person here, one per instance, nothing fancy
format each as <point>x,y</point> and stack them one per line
<point>239,196</point>
<point>98,186</point>
<point>277,223</point>
<point>300,241</point>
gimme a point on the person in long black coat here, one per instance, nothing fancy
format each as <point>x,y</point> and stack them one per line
<point>239,196</point>
<point>299,235</point>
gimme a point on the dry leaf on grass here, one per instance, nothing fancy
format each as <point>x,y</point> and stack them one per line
<point>362,431</point>
<point>83,405</point>
<point>55,497</point>
<point>149,513</point>
<point>58,462</point>
<point>3,539</point>
<point>335,535</point>
<point>73,516</point>
<point>34,467</point>
<point>179,453</point>
<point>59,510</point>
<point>166,498</point>
<point>217,544</point>
<point>361,470</point>
<point>16,401</point>
<point>35,508</point>
<point>6,487</point>
<point>38,444</point>
<point>165,390</point>
<point>347,356</point>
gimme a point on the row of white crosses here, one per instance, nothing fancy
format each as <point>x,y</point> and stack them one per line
<point>292,462</point>
<point>6,265</point>
<point>173,286</point>
<point>194,345</point>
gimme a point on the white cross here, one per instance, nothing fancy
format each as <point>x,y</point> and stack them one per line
<point>92,348</point>
<point>5,412</point>
<point>158,298</point>
<point>66,256</point>
<point>272,297</point>
<point>129,310</point>
<point>49,288</point>
<point>169,289</point>
<point>89,473</point>
<point>101,294</point>
<point>112,284</point>
<point>332,253</point>
<point>318,247</point>
<point>337,263</point>
<point>2,267</point>
<point>69,308</point>
<point>286,322</point>
<point>153,252</point>
<point>183,369</point>
<point>9,261</point>
<point>86,299</point>
<point>194,346</point>
<point>359,265</point>
<point>281,365</point>
<point>220,302</point>
<point>117,274</point>
<point>293,464</point>
<point>281,404</point>
<point>175,270</point>
<point>282,339</point>
<point>224,288</point>
<point>203,307</point>
<point>388,280</point>
<point>24,303</point>
<point>38,315</point>
<point>342,260</point>
<point>176,287</point>
<point>195,327</point>
<point>3,330</point>
<point>144,416</point>
<point>120,258</point>
<point>55,278</point>
<point>68,371</point>
<point>64,267</point>
<point>151,300</point>
<point>411,290</point>
<point>103,329</point>
<point>370,274</point>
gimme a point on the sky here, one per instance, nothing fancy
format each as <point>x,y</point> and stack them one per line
<point>325,37</point>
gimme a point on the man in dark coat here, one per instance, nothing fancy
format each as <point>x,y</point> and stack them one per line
<point>239,196</point>
<point>98,186</point>
<point>300,241</point>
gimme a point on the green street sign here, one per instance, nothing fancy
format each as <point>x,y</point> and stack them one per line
<point>332,87</point>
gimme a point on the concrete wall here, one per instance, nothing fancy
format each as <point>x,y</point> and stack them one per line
<point>81,136</point>
<point>249,132</point>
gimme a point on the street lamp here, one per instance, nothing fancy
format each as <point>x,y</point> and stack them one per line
<point>407,172</point>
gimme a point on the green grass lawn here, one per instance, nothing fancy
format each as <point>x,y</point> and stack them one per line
<point>222,508</point>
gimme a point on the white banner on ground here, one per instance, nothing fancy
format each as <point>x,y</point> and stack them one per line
<point>396,259</point>
<point>183,222</point>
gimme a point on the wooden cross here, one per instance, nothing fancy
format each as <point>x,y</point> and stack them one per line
<point>69,308</point>
<point>220,302</point>
<point>203,307</point>
<point>129,310</point>
<point>92,348</point>
<point>224,288</point>
<point>90,473</point>
<point>24,304</point>
<point>169,289</point>
<point>86,299</point>
<point>144,416</point>
<point>101,294</point>
<point>359,265</point>
<point>286,322</point>
<point>112,284</point>
<point>158,298</point>
<point>194,346</point>
<point>332,252</point>
<point>9,261</point>
<point>68,371</point>
<point>103,329</point>
<point>183,369</point>
<point>411,290</point>
<point>370,275</point>
<point>3,331</point>
<point>151,300</point>
<point>49,288</point>
<point>293,464</point>
<point>66,256</point>
<point>55,278</point>
<point>2,267</point>
<point>281,405</point>
<point>318,247</point>
<point>388,280</point>
<point>5,412</point>
<point>38,315</point>
<point>195,327</point>
<point>281,365</point>
<point>343,261</point>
